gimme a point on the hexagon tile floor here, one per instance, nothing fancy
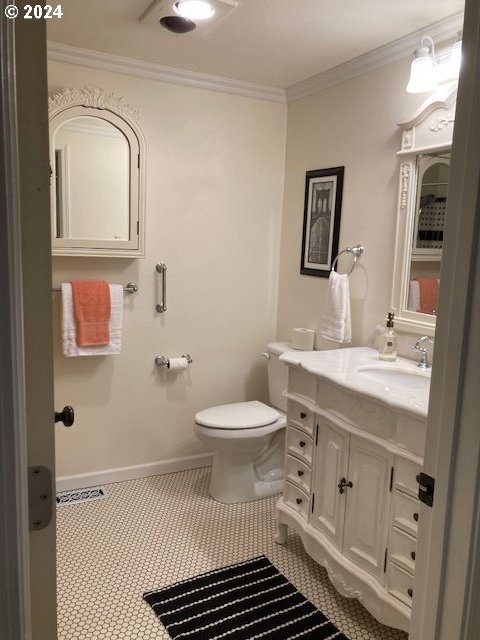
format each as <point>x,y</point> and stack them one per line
<point>154,531</point>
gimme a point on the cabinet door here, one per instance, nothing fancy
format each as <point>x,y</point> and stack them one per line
<point>331,463</point>
<point>367,511</point>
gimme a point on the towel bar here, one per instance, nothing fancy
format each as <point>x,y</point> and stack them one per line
<point>131,287</point>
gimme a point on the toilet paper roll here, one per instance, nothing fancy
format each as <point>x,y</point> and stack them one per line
<point>178,363</point>
<point>303,339</point>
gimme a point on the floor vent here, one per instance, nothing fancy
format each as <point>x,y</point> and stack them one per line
<point>81,495</point>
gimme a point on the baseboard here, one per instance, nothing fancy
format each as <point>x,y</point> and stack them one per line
<point>108,476</point>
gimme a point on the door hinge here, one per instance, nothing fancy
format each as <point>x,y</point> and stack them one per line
<point>138,161</point>
<point>313,501</point>
<point>385,561</point>
<point>138,227</point>
<point>316,435</point>
<point>426,489</point>
<point>40,500</point>
<point>391,479</point>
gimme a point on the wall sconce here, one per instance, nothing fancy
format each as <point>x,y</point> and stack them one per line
<point>423,72</point>
<point>426,73</point>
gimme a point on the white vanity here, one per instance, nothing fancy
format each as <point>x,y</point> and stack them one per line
<point>354,446</point>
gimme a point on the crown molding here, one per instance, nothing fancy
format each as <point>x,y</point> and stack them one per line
<point>58,52</point>
<point>388,53</point>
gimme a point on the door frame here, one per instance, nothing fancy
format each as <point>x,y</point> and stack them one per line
<point>14,551</point>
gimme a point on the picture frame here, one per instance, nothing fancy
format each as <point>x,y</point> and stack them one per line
<point>321,220</point>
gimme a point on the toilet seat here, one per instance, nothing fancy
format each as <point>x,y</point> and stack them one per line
<point>239,415</point>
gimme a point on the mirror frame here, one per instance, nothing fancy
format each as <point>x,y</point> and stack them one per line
<point>94,102</point>
<point>429,130</point>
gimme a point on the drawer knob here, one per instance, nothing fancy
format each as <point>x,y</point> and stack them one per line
<point>413,555</point>
<point>302,443</point>
<point>300,473</point>
<point>415,517</point>
<point>343,484</point>
<point>299,501</point>
<point>303,415</point>
<point>410,593</point>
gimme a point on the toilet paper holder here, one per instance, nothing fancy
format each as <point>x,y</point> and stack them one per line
<point>163,361</point>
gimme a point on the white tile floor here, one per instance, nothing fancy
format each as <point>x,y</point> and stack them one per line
<point>154,531</point>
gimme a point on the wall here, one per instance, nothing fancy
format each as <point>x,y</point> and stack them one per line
<point>215,167</point>
<point>352,124</point>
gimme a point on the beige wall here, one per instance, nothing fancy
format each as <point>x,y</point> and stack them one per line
<point>352,124</point>
<point>215,167</point>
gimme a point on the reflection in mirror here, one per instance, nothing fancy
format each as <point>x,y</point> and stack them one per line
<point>92,169</point>
<point>427,242</point>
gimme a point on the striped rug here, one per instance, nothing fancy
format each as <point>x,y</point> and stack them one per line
<point>249,600</point>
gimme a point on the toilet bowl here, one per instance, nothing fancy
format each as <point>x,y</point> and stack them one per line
<point>247,439</point>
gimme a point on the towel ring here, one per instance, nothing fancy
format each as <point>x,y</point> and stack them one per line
<point>357,251</point>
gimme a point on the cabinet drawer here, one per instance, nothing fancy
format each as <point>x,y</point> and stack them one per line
<point>405,512</point>
<point>298,472</point>
<point>402,549</point>
<point>400,584</point>
<point>302,383</point>
<point>299,444</point>
<point>301,417</point>
<point>297,499</point>
<point>405,476</point>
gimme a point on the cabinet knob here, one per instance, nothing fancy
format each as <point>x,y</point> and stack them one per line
<point>301,443</point>
<point>413,555</point>
<point>415,517</point>
<point>299,501</point>
<point>410,592</point>
<point>343,484</point>
<point>303,415</point>
<point>300,473</point>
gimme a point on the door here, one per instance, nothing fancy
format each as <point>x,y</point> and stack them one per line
<point>367,511</point>
<point>26,227</point>
<point>331,465</point>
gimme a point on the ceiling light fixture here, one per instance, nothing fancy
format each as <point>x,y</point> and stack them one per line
<point>423,72</point>
<point>194,9</point>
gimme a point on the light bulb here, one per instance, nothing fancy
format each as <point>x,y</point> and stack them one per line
<point>194,9</point>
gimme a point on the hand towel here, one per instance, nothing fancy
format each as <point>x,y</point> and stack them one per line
<point>69,334</point>
<point>91,305</point>
<point>429,288</point>
<point>414,296</point>
<point>337,321</point>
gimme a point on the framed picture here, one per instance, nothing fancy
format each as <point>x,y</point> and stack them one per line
<point>321,220</point>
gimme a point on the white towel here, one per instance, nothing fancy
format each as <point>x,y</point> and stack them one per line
<point>337,321</point>
<point>69,333</point>
<point>414,296</point>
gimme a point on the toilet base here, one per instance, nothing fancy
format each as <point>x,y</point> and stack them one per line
<point>237,478</point>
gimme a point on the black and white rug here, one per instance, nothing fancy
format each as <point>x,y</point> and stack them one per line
<point>249,600</point>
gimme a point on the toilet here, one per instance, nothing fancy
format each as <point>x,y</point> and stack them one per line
<point>248,439</point>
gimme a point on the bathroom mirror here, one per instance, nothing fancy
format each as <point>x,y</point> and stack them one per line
<point>97,188</point>
<point>423,196</point>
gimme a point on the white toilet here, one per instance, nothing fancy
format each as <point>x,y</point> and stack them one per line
<point>248,439</point>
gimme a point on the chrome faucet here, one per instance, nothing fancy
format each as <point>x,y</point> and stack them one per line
<point>422,349</point>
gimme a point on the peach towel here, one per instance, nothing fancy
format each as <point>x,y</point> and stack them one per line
<point>91,303</point>
<point>428,295</point>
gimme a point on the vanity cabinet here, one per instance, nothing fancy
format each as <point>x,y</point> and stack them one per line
<point>350,491</point>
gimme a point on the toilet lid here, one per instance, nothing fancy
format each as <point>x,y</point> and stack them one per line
<point>241,415</point>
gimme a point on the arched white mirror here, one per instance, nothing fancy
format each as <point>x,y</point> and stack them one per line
<point>423,198</point>
<point>97,160</point>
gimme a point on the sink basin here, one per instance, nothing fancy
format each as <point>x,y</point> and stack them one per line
<point>398,377</point>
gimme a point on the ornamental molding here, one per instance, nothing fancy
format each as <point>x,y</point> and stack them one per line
<point>408,138</point>
<point>405,178</point>
<point>93,97</point>
<point>441,122</point>
<point>341,586</point>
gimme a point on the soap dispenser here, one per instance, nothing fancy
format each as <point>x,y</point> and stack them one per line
<point>388,341</point>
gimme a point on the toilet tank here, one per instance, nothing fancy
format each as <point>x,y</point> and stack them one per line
<point>277,374</point>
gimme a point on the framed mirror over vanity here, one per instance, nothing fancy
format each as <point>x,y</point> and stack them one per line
<point>97,186</point>
<point>422,206</point>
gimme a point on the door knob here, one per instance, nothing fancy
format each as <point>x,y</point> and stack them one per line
<point>67,416</point>
<point>343,484</point>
